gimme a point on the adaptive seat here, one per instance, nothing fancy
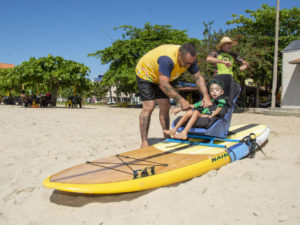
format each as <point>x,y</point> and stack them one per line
<point>220,126</point>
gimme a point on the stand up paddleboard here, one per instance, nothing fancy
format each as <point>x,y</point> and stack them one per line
<point>168,162</point>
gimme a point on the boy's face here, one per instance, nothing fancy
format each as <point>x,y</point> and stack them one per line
<point>215,91</point>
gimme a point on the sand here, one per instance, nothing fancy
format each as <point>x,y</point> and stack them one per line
<point>35,143</point>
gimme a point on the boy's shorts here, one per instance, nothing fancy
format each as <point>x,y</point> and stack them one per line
<point>149,90</point>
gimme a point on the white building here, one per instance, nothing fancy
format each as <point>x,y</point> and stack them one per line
<point>290,93</point>
<point>111,96</point>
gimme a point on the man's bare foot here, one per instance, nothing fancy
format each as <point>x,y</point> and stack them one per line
<point>166,133</point>
<point>144,144</point>
<point>182,136</point>
<point>166,136</point>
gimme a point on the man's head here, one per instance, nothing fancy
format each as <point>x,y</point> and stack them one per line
<point>215,89</point>
<point>225,44</point>
<point>187,55</point>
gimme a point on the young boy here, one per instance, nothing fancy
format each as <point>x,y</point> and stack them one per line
<point>197,111</point>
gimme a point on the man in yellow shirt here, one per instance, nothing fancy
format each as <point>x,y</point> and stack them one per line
<point>154,72</point>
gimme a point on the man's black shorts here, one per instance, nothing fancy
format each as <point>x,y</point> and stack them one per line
<point>149,90</point>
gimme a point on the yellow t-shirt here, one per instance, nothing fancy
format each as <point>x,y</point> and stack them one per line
<point>148,67</point>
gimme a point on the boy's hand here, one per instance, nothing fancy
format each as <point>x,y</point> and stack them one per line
<point>185,105</point>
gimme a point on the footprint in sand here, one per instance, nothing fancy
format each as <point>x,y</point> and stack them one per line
<point>18,192</point>
<point>298,160</point>
<point>248,175</point>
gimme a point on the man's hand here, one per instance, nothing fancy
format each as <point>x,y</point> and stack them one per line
<point>171,92</point>
<point>201,84</point>
<point>227,63</point>
<point>184,104</point>
<point>243,67</point>
<point>206,102</point>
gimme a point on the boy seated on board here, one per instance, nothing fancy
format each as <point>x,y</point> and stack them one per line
<point>205,115</point>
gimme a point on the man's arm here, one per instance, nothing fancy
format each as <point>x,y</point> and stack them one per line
<point>244,65</point>
<point>177,110</point>
<point>212,59</point>
<point>201,84</point>
<point>164,85</point>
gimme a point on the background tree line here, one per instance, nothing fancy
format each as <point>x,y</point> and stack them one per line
<point>45,74</point>
<point>254,31</point>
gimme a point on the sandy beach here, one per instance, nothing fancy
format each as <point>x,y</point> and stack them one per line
<point>35,143</point>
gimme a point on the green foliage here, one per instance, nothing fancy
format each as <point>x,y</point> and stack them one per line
<point>7,80</point>
<point>97,91</point>
<point>46,74</point>
<point>256,36</point>
<point>124,53</point>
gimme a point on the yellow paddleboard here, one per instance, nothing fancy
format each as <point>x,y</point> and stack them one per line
<point>159,165</point>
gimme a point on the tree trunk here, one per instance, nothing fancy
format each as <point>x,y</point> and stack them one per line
<point>257,94</point>
<point>54,92</point>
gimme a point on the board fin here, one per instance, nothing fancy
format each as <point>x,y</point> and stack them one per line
<point>147,171</point>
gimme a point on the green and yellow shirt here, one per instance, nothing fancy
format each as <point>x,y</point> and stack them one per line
<point>219,102</point>
<point>229,57</point>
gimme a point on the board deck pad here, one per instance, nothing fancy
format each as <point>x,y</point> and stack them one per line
<point>158,165</point>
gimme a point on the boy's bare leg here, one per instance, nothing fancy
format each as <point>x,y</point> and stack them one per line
<point>184,118</point>
<point>183,134</point>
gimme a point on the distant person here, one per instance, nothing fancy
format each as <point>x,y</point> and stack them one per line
<point>225,60</point>
<point>154,72</point>
<point>206,114</point>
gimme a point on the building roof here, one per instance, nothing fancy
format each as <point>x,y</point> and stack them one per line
<point>6,65</point>
<point>99,78</point>
<point>295,61</point>
<point>293,46</point>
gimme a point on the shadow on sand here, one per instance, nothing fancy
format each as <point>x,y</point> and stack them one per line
<point>153,141</point>
<point>79,200</point>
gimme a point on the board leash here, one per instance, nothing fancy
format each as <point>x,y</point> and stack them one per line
<point>250,141</point>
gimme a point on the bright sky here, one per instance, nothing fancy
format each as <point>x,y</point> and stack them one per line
<point>74,28</point>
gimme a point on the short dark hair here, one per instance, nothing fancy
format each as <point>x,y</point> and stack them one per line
<point>215,81</point>
<point>188,48</point>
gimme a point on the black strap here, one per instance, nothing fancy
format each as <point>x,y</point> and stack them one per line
<point>250,141</point>
<point>146,171</point>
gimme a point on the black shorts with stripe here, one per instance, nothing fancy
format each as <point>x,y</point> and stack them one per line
<point>149,90</point>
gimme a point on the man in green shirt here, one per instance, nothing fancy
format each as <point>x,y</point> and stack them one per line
<point>224,60</point>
